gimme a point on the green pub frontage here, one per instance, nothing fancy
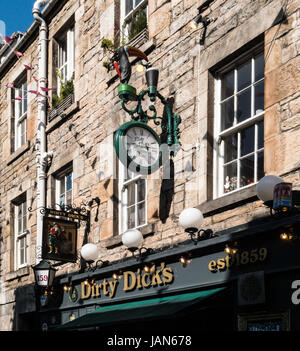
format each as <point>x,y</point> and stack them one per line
<point>245,278</point>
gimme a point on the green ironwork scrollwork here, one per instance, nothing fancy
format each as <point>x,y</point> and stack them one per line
<point>171,128</point>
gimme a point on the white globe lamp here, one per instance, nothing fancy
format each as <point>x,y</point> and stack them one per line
<point>132,238</point>
<point>191,219</point>
<point>89,252</point>
<point>265,187</point>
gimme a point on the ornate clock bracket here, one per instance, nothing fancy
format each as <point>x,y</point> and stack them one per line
<point>127,93</point>
<point>169,126</point>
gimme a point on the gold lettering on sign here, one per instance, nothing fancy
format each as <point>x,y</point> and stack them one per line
<point>129,280</point>
<point>241,258</point>
<point>146,280</point>
<point>85,290</point>
<point>140,279</point>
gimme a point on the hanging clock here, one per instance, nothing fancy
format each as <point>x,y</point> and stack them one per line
<point>138,147</point>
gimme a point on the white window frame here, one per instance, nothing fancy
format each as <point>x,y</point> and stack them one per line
<point>218,153</point>
<point>125,18</point>
<point>20,113</point>
<point>20,237</point>
<point>123,197</point>
<point>58,178</point>
<point>66,56</point>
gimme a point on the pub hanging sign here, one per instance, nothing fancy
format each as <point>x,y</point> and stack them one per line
<point>60,232</point>
<point>59,239</point>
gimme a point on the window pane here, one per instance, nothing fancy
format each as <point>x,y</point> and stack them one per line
<point>62,185</point>
<point>247,171</point>
<point>141,190</point>
<point>69,181</point>
<point>131,217</point>
<point>20,211</point>
<point>227,114</point>
<point>20,229</point>
<point>230,148</point>
<point>259,67</point>
<point>244,105</point>
<point>259,97</point>
<point>69,197</point>
<point>24,95</point>
<point>247,140</point>
<point>244,76</point>
<point>137,23</point>
<point>260,141</point>
<point>128,6</point>
<point>260,165</point>
<point>227,85</point>
<point>62,200</point>
<point>141,213</point>
<point>18,106</point>
<point>22,250</point>
<point>24,208</point>
<point>64,73</point>
<point>230,177</point>
<point>23,132</point>
<point>137,2</point>
<point>24,223</point>
<point>131,194</point>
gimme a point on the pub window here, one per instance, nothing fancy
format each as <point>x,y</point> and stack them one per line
<point>133,203</point>
<point>19,119</point>
<point>134,17</point>
<point>19,209</point>
<point>239,124</point>
<point>64,188</point>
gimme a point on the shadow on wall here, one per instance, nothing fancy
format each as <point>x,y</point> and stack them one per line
<point>167,185</point>
<point>166,191</point>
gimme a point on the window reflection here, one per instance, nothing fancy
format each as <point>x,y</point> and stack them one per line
<point>244,76</point>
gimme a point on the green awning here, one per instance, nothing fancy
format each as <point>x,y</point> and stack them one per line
<point>140,310</point>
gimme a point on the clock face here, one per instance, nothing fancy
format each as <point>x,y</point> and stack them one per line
<point>142,147</point>
<point>138,147</point>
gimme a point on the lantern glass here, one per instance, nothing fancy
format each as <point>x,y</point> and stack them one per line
<point>44,274</point>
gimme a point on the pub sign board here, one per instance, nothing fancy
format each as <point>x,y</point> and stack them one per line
<point>59,239</point>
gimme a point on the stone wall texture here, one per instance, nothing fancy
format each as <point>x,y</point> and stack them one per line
<point>186,76</point>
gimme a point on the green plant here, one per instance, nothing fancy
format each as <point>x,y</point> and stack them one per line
<point>107,44</point>
<point>138,23</point>
<point>66,88</point>
<point>106,65</point>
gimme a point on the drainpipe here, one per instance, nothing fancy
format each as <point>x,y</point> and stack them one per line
<point>42,157</point>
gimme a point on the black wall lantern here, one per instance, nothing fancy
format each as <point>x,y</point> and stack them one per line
<point>44,274</point>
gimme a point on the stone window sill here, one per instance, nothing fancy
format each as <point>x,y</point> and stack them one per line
<point>147,230</point>
<point>229,201</point>
<point>21,150</point>
<point>18,274</point>
<point>58,120</point>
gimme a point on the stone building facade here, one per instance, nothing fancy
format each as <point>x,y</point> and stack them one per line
<point>247,44</point>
